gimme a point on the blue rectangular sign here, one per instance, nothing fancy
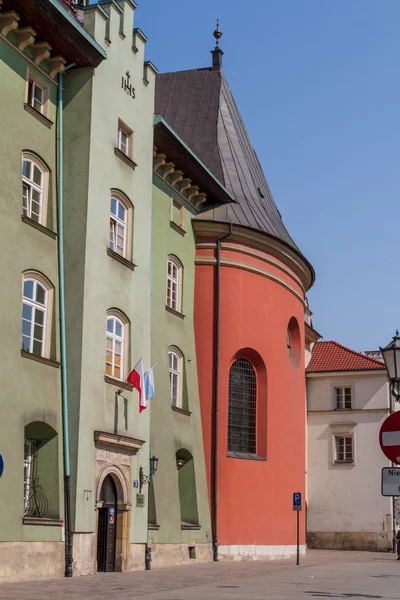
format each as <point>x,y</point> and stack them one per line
<point>297,501</point>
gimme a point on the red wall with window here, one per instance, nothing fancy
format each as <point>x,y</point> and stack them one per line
<point>259,299</point>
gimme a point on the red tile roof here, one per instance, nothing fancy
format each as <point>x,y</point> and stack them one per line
<point>331,356</point>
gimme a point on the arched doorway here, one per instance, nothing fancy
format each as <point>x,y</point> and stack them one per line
<point>107,526</point>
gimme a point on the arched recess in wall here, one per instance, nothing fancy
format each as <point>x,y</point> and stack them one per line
<point>247,405</point>
<point>293,342</point>
<point>152,504</point>
<point>187,488</point>
<point>41,471</point>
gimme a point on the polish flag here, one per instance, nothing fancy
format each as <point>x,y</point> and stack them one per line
<point>136,378</point>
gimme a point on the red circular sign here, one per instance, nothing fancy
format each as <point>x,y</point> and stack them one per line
<point>389,437</point>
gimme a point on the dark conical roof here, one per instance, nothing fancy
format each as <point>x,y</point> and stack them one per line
<point>199,106</point>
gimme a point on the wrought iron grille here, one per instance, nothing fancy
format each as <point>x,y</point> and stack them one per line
<point>35,501</point>
<point>242,409</point>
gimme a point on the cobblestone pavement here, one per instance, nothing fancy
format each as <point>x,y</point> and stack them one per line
<point>322,574</point>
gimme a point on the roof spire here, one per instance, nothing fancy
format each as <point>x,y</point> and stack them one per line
<point>217,52</point>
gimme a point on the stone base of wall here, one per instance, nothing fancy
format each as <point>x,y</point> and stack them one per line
<point>31,560</point>
<point>168,555</point>
<point>84,554</point>
<point>136,558</point>
<point>226,553</point>
<point>349,540</point>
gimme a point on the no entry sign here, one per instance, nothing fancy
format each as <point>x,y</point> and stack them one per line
<point>389,437</point>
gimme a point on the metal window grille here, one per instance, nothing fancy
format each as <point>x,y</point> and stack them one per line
<point>242,407</point>
<point>35,502</point>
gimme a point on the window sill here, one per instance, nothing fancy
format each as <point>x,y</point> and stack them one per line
<point>245,456</point>
<point>39,116</point>
<point>41,359</point>
<point>174,312</point>
<point>344,462</point>
<point>38,226</point>
<point>128,161</point>
<point>343,409</point>
<point>180,410</point>
<point>124,261</point>
<point>42,521</point>
<point>120,384</point>
<point>177,228</point>
<point>153,527</point>
<point>190,527</point>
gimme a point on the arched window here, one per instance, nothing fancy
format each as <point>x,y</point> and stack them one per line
<point>242,407</point>
<point>174,283</point>
<point>41,486</point>
<point>175,376</point>
<point>120,224</point>
<point>187,488</point>
<point>36,314</point>
<point>289,341</point>
<point>34,188</point>
<point>293,342</point>
<point>115,349</point>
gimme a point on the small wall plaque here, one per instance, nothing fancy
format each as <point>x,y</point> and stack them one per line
<point>140,500</point>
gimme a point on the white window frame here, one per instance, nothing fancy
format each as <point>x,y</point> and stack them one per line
<point>41,189</point>
<point>114,338</point>
<point>125,147</point>
<point>342,404</point>
<point>33,82</point>
<point>342,436</point>
<point>116,222</point>
<point>175,375</point>
<point>35,307</point>
<point>174,284</point>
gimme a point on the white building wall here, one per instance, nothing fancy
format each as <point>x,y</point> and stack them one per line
<point>345,506</point>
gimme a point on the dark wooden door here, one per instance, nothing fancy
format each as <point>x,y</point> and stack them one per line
<point>107,527</point>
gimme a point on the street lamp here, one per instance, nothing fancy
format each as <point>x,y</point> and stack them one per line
<point>391,356</point>
<point>143,479</point>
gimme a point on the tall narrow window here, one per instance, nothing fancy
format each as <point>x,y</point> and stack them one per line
<point>32,189</point>
<point>125,139</point>
<point>175,377</point>
<point>174,283</point>
<point>115,350</point>
<point>35,95</point>
<point>118,226</point>
<point>242,407</point>
<point>342,398</point>
<point>35,319</point>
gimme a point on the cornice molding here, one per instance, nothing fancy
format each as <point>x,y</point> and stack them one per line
<point>237,264</point>
<point>262,241</point>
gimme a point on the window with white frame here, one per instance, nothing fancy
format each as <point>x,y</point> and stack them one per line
<point>35,316</point>
<point>344,451</point>
<point>33,189</point>
<point>37,93</point>
<point>125,139</point>
<point>174,283</point>
<point>115,347</point>
<point>343,398</point>
<point>175,376</point>
<point>118,226</point>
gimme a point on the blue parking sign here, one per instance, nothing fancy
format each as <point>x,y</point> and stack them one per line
<point>297,501</point>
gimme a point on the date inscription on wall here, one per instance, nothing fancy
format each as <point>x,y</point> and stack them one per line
<point>127,86</point>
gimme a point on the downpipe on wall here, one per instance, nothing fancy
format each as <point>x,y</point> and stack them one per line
<point>63,351</point>
<point>215,409</point>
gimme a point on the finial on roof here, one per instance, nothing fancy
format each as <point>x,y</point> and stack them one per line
<point>217,33</point>
<point>217,52</point>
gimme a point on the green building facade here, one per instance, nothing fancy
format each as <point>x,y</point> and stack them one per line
<point>179,514</point>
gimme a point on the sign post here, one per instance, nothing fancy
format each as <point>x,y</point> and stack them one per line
<point>297,508</point>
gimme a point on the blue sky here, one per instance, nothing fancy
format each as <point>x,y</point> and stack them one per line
<point>317,83</point>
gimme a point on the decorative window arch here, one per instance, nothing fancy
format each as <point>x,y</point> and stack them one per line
<point>187,488</point>
<point>37,302</point>
<point>117,336</point>
<point>34,188</point>
<point>174,283</point>
<point>120,228</point>
<point>293,342</point>
<point>242,407</point>
<point>175,366</point>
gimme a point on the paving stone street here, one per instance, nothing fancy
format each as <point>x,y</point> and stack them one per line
<point>322,574</point>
